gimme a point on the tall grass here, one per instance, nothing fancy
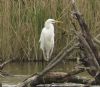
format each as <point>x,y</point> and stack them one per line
<point>21,22</point>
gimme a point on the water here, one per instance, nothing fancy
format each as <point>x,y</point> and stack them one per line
<point>23,70</point>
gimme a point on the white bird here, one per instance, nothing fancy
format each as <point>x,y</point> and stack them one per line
<point>47,39</point>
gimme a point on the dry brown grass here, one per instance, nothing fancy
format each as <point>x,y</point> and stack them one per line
<point>21,22</point>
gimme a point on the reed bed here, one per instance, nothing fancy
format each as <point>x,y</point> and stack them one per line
<point>21,22</point>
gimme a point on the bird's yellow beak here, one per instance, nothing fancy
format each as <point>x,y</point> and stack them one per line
<point>58,21</point>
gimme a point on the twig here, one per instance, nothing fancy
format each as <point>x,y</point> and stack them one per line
<point>5,63</point>
<point>96,39</point>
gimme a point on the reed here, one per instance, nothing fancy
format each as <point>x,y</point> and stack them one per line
<point>21,22</point>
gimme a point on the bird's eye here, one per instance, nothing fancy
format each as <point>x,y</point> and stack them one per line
<point>53,21</point>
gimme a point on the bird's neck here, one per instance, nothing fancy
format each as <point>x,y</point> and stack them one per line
<point>49,26</point>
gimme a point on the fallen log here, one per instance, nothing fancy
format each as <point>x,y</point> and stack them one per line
<point>62,77</point>
<point>35,79</point>
<point>58,77</point>
<point>52,77</point>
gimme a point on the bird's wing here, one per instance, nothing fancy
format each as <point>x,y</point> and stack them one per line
<point>42,35</point>
<point>42,38</point>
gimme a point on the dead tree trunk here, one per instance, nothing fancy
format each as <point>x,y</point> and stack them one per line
<point>89,57</point>
<point>59,77</point>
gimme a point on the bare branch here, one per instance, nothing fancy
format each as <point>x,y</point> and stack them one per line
<point>85,39</point>
<point>5,63</point>
<point>97,41</point>
<point>34,79</point>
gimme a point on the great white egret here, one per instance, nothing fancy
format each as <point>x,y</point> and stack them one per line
<point>47,38</point>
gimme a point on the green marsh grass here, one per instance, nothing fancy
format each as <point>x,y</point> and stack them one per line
<point>21,22</point>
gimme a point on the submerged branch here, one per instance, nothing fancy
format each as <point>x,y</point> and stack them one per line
<point>34,79</point>
<point>5,63</point>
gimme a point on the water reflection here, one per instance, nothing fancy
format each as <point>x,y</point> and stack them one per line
<point>23,70</point>
<point>30,68</point>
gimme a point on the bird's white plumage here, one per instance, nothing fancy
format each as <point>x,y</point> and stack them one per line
<point>47,39</point>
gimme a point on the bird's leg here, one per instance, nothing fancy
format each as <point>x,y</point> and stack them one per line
<point>51,52</point>
<point>44,55</point>
<point>48,55</point>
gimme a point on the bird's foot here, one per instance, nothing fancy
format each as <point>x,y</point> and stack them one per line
<point>46,59</point>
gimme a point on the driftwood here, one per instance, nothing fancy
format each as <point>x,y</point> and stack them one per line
<point>58,77</point>
<point>89,57</point>
<point>34,79</point>
<point>2,65</point>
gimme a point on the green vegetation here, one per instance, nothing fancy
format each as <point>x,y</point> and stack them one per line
<point>21,22</point>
